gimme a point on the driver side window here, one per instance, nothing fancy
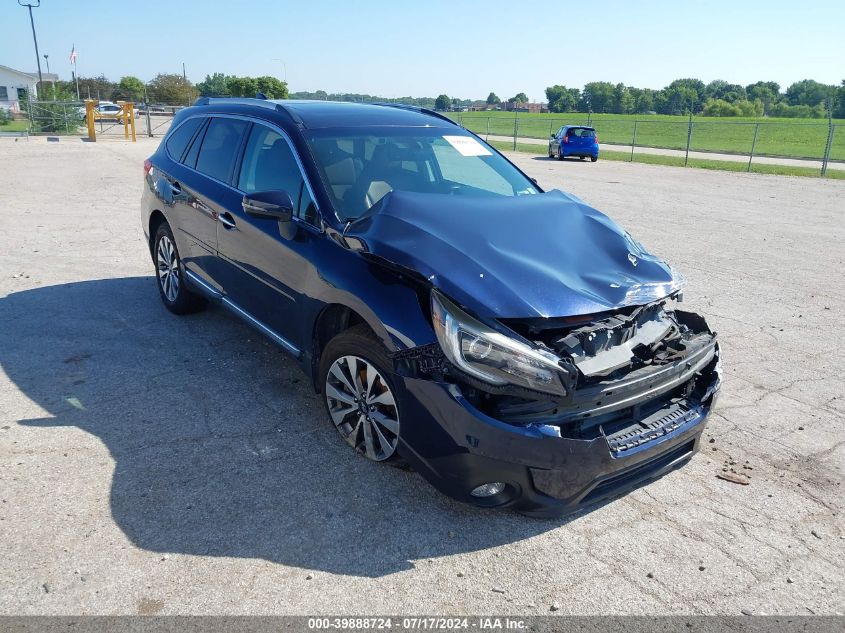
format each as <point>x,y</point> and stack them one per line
<point>268,164</point>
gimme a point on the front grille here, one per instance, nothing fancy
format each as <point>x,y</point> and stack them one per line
<point>660,423</point>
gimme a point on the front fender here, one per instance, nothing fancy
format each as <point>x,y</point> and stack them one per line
<point>392,303</point>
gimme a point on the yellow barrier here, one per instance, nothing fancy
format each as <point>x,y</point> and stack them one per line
<point>126,116</point>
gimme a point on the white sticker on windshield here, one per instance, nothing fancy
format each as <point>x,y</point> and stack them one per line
<point>467,146</point>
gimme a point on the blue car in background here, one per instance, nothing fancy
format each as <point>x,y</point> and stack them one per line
<point>574,140</point>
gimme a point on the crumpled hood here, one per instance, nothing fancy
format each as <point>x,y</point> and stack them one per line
<point>544,255</point>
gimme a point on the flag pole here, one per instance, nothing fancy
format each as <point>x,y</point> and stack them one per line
<point>75,71</point>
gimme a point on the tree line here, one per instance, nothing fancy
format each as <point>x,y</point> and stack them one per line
<point>168,88</point>
<point>804,99</point>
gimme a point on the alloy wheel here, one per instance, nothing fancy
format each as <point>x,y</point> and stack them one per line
<point>362,407</point>
<point>167,265</point>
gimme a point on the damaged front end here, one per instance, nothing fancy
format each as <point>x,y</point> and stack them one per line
<point>561,367</point>
<point>632,376</point>
<point>642,374</point>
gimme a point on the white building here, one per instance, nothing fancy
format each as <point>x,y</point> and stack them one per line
<point>14,85</point>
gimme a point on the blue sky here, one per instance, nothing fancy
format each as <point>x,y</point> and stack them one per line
<point>464,49</point>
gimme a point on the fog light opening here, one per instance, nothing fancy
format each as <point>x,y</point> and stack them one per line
<point>487,490</point>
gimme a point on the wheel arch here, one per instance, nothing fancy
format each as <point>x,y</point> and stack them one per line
<point>157,218</point>
<point>397,320</point>
<point>333,319</point>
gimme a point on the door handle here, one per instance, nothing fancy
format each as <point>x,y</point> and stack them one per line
<point>175,188</point>
<point>201,206</point>
<point>226,220</point>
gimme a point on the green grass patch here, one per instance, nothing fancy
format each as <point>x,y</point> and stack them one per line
<point>678,161</point>
<point>15,126</point>
<point>792,138</point>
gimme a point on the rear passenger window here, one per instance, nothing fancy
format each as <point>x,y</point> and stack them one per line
<point>220,147</point>
<point>178,141</point>
<point>190,158</point>
<point>269,164</point>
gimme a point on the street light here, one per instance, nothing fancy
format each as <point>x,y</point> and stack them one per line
<point>34,39</point>
<point>284,67</point>
<point>47,59</point>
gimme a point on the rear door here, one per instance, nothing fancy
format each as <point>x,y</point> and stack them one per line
<point>177,187</point>
<point>210,196</point>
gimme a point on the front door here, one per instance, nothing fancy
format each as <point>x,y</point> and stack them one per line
<point>261,266</point>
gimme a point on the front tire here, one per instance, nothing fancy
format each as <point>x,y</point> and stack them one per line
<point>170,277</point>
<point>359,396</point>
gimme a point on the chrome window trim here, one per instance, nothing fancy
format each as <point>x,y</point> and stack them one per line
<point>273,127</point>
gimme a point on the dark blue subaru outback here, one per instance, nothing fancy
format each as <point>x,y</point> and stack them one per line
<point>514,346</point>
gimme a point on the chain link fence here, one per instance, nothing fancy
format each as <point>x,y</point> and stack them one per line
<point>726,140</point>
<point>155,118</point>
<point>68,118</point>
<point>53,117</point>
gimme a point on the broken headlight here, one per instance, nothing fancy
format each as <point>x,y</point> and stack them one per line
<point>488,355</point>
<point>646,292</point>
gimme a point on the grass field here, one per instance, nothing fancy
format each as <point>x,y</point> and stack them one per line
<point>15,126</point>
<point>677,161</point>
<point>793,138</point>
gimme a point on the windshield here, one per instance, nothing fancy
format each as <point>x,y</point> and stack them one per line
<point>360,167</point>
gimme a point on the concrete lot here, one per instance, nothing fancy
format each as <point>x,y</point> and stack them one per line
<point>155,464</point>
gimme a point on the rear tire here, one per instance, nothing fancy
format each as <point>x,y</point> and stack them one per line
<point>170,275</point>
<point>560,154</point>
<point>355,364</point>
<point>593,159</point>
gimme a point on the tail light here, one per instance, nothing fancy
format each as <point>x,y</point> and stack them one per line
<point>596,137</point>
<point>566,138</point>
<point>148,166</point>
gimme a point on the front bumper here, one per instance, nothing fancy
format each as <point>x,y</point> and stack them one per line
<point>458,447</point>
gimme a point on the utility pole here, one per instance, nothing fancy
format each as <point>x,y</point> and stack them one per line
<point>187,92</point>
<point>34,39</point>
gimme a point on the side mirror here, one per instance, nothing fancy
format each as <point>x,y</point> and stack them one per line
<point>552,136</point>
<point>274,204</point>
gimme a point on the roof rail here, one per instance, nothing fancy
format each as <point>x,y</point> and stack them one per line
<point>405,106</point>
<point>202,101</point>
<point>264,103</point>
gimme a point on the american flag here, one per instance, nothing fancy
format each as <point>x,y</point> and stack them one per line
<point>73,54</point>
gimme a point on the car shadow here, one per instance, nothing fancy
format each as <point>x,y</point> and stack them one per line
<point>220,446</point>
